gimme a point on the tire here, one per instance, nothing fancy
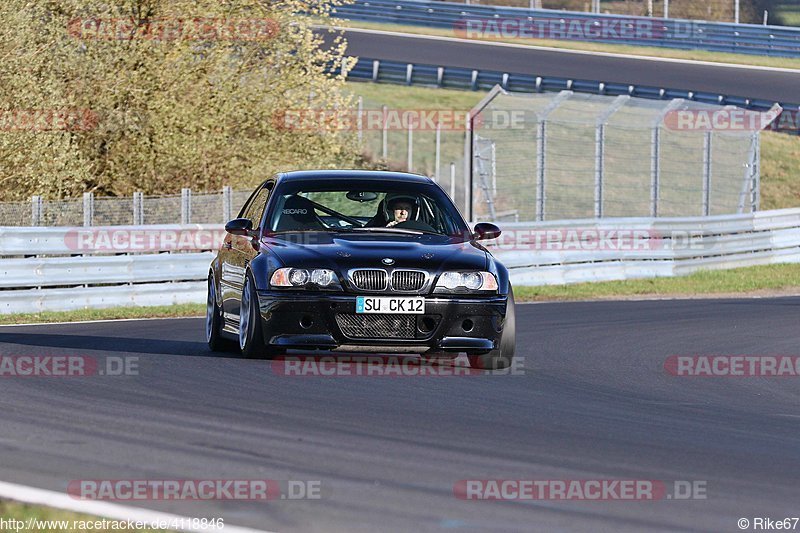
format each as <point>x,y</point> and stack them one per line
<point>214,337</point>
<point>251,336</point>
<point>500,357</point>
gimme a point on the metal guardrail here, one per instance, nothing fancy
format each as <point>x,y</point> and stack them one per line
<point>540,253</point>
<point>367,69</point>
<point>777,41</point>
<point>68,268</point>
<point>666,246</point>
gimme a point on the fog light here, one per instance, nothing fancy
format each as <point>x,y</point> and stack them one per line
<point>426,324</point>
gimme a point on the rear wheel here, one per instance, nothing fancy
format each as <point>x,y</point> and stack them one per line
<point>214,338</point>
<point>251,336</point>
<point>501,356</point>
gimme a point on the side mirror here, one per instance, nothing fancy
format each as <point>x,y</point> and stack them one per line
<point>239,226</point>
<point>485,231</point>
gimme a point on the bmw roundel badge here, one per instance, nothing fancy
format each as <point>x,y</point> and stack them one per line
<point>387,261</point>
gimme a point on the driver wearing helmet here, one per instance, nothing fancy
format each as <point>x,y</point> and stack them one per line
<point>394,209</point>
<point>399,210</point>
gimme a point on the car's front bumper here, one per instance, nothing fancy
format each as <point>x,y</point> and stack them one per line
<point>450,324</point>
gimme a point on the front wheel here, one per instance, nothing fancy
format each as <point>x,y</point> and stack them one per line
<point>251,335</point>
<point>501,356</point>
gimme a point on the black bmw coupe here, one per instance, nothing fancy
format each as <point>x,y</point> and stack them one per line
<point>359,261</point>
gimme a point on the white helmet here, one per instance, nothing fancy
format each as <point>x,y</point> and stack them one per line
<point>393,197</point>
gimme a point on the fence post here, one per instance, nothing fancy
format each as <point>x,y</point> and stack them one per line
<point>655,155</point>
<point>468,168</point>
<point>385,128</point>
<point>452,181</point>
<point>757,173</point>
<point>227,203</point>
<point>410,162</point>
<point>359,122</point>
<point>186,206</point>
<point>36,210</point>
<point>599,164</point>
<point>494,169</point>
<point>748,181</point>
<point>707,174</point>
<point>600,151</point>
<point>438,154</point>
<point>541,148</point>
<point>655,169</point>
<point>138,208</point>
<point>88,208</point>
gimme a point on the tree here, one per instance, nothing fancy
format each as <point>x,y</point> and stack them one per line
<point>155,95</point>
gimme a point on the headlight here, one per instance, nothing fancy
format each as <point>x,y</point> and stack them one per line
<point>467,281</point>
<point>301,277</point>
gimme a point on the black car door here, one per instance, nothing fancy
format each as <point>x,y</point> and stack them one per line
<point>240,251</point>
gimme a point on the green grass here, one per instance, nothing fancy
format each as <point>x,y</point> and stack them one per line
<point>695,55</point>
<point>164,311</point>
<point>780,173</point>
<point>771,280</point>
<point>24,512</point>
<point>789,12</point>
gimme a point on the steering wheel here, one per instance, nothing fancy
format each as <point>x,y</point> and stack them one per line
<point>415,224</point>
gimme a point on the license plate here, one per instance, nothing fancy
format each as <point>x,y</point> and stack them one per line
<point>383,305</point>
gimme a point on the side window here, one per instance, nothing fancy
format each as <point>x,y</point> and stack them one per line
<point>255,207</point>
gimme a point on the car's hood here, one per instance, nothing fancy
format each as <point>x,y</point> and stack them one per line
<point>343,251</point>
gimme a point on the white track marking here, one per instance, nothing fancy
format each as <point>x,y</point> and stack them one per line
<point>561,50</point>
<point>25,494</point>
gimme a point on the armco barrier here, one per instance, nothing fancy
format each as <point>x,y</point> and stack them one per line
<point>780,41</point>
<point>65,268</point>
<point>396,72</point>
<point>41,271</point>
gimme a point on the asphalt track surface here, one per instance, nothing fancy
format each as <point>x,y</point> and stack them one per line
<point>594,403</point>
<point>779,86</point>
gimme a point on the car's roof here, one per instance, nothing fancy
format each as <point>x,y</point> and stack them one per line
<point>381,175</point>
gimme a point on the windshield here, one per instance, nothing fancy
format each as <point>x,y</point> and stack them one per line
<point>364,207</point>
